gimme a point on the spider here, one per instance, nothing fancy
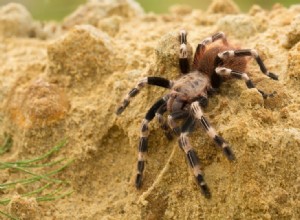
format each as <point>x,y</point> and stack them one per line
<point>215,61</point>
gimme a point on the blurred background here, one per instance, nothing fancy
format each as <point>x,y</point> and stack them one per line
<point>58,9</point>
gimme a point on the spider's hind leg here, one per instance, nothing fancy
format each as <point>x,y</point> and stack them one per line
<point>202,46</point>
<point>246,52</point>
<point>154,80</point>
<point>191,155</point>
<point>222,71</point>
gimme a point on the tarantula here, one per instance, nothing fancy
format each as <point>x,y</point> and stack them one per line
<point>213,63</point>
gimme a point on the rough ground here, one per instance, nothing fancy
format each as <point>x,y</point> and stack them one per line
<point>66,79</point>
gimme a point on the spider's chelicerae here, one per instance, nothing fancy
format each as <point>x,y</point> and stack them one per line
<point>213,63</point>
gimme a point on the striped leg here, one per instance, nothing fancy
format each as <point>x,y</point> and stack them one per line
<point>156,81</point>
<point>183,54</point>
<point>198,114</point>
<point>222,71</point>
<point>143,144</point>
<point>246,52</point>
<point>191,155</point>
<point>201,47</point>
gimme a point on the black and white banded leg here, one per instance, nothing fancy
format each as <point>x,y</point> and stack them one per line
<point>191,155</point>
<point>246,52</point>
<point>198,114</point>
<point>156,81</point>
<point>222,71</point>
<point>202,46</point>
<point>183,53</point>
<point>143,143</point>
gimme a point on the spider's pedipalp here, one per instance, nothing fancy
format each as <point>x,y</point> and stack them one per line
<point>183,53</point>
<point>156,81</point>
<point>191,155</point>
<point>222,71</point>
<point>174,116</point>
<point>143,143</point>
<point>248,52</point>
<point>164,126</point>
<point>198,114</point>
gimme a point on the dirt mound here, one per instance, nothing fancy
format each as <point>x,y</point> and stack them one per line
<point>65,80</point>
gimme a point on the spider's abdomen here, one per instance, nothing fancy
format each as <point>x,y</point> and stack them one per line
<point>207,61</point>
<point>191,85</point>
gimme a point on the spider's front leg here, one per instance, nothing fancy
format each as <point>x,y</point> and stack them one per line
<point>143,143</point>
<point>183,54</point>
<point>156,81</point>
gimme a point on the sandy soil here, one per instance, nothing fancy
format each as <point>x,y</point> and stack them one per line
<point>66,79</point>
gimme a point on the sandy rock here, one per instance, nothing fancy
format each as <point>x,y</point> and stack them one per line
<point>83,55</point>
<point>251,98</point>
<point>15,21</point>
<point>95,10</point>
<point>181,10</point>
<point>240,26</point>
<point>24,208</point>
<point>110,25</point>
<point>224,7</point>
<point>294,63</point>
<point>293,35</point>
<point>88,71</point>
<point>38,104</point>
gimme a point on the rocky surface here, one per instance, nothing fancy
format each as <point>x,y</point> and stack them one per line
<point>67,79</point>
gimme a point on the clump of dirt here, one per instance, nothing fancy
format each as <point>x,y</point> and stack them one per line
<point>65,80</point>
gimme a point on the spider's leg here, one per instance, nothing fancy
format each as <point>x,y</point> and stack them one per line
<point>183,54</point>
<point>202,46</point>
<point>242,53</point>
<point>191,155</point>
<point>156,81</point>
<point>183,114</point>
<point>143,143</point>
<point>180,114</point>
<point>222,71</point>
<point>159,115</point>
<point>198,114</point>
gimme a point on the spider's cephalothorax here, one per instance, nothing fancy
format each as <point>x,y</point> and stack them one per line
<point>213,63</point>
